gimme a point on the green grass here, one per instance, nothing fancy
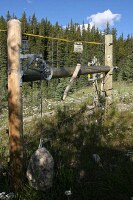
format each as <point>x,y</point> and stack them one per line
<point>72,136</point>
<point>123,92</point>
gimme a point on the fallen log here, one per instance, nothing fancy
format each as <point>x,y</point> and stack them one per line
<point>61,72</point>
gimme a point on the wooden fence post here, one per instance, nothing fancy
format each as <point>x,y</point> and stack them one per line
<point>73,78</point>
<point>108,62</point>
<point>15,104</point>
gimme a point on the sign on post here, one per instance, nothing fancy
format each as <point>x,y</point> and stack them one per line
<point>78,47</point>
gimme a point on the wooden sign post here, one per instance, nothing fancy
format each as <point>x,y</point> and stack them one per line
<point>109,62</point>
<point>15,104</point>
<point>106,85</point>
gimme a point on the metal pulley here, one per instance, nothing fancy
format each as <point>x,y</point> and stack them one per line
<point>36,63</point>
<point>46,70</point>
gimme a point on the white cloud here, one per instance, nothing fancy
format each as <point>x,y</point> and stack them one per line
<point>81,26</point>
<point>85,26</point>
<point>29,1</point>
<point>100,20</point>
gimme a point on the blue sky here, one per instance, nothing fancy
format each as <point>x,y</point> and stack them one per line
<point>119,13</point>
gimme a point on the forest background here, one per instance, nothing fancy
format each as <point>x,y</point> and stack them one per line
<point>60,54</point>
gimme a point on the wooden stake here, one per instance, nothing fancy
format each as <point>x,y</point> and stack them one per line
<point>74,76</point>
<point>15,104</point>
<point>109,62</point>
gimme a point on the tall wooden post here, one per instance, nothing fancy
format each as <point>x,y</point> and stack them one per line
<point>15,104</point>
<point>108,62</point>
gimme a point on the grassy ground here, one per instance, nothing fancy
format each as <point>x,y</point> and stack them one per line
<point>73,135</point>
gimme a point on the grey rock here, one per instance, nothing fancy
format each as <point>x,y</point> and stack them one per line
<point>40,169</point>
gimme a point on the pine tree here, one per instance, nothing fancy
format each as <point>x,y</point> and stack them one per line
<point>8,16</point>
<point>3,61</point>
<point>127,73</point>
<point>24,23</point>
<point>33,28</point>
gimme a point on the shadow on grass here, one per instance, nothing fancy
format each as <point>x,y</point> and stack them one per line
<point>72,139</point>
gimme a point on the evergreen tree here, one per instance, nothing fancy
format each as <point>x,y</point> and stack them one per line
<point>24,23</point>
<point>127,71</point>
<point>8,16</point>
<point>126,53</point>
<point>3,61</point>
<point>33,28</point>
<point>107,29</point>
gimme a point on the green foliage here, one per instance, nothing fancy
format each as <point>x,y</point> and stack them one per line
<point>73,137</point>
<point>3,64</point>
<point>128,70</point>
<point>59,53</point>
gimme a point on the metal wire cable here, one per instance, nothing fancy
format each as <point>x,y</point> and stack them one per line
<point>55,38</point>
<point>41,124</point>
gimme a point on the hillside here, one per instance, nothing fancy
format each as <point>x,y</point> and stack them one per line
<point>75,135</point>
